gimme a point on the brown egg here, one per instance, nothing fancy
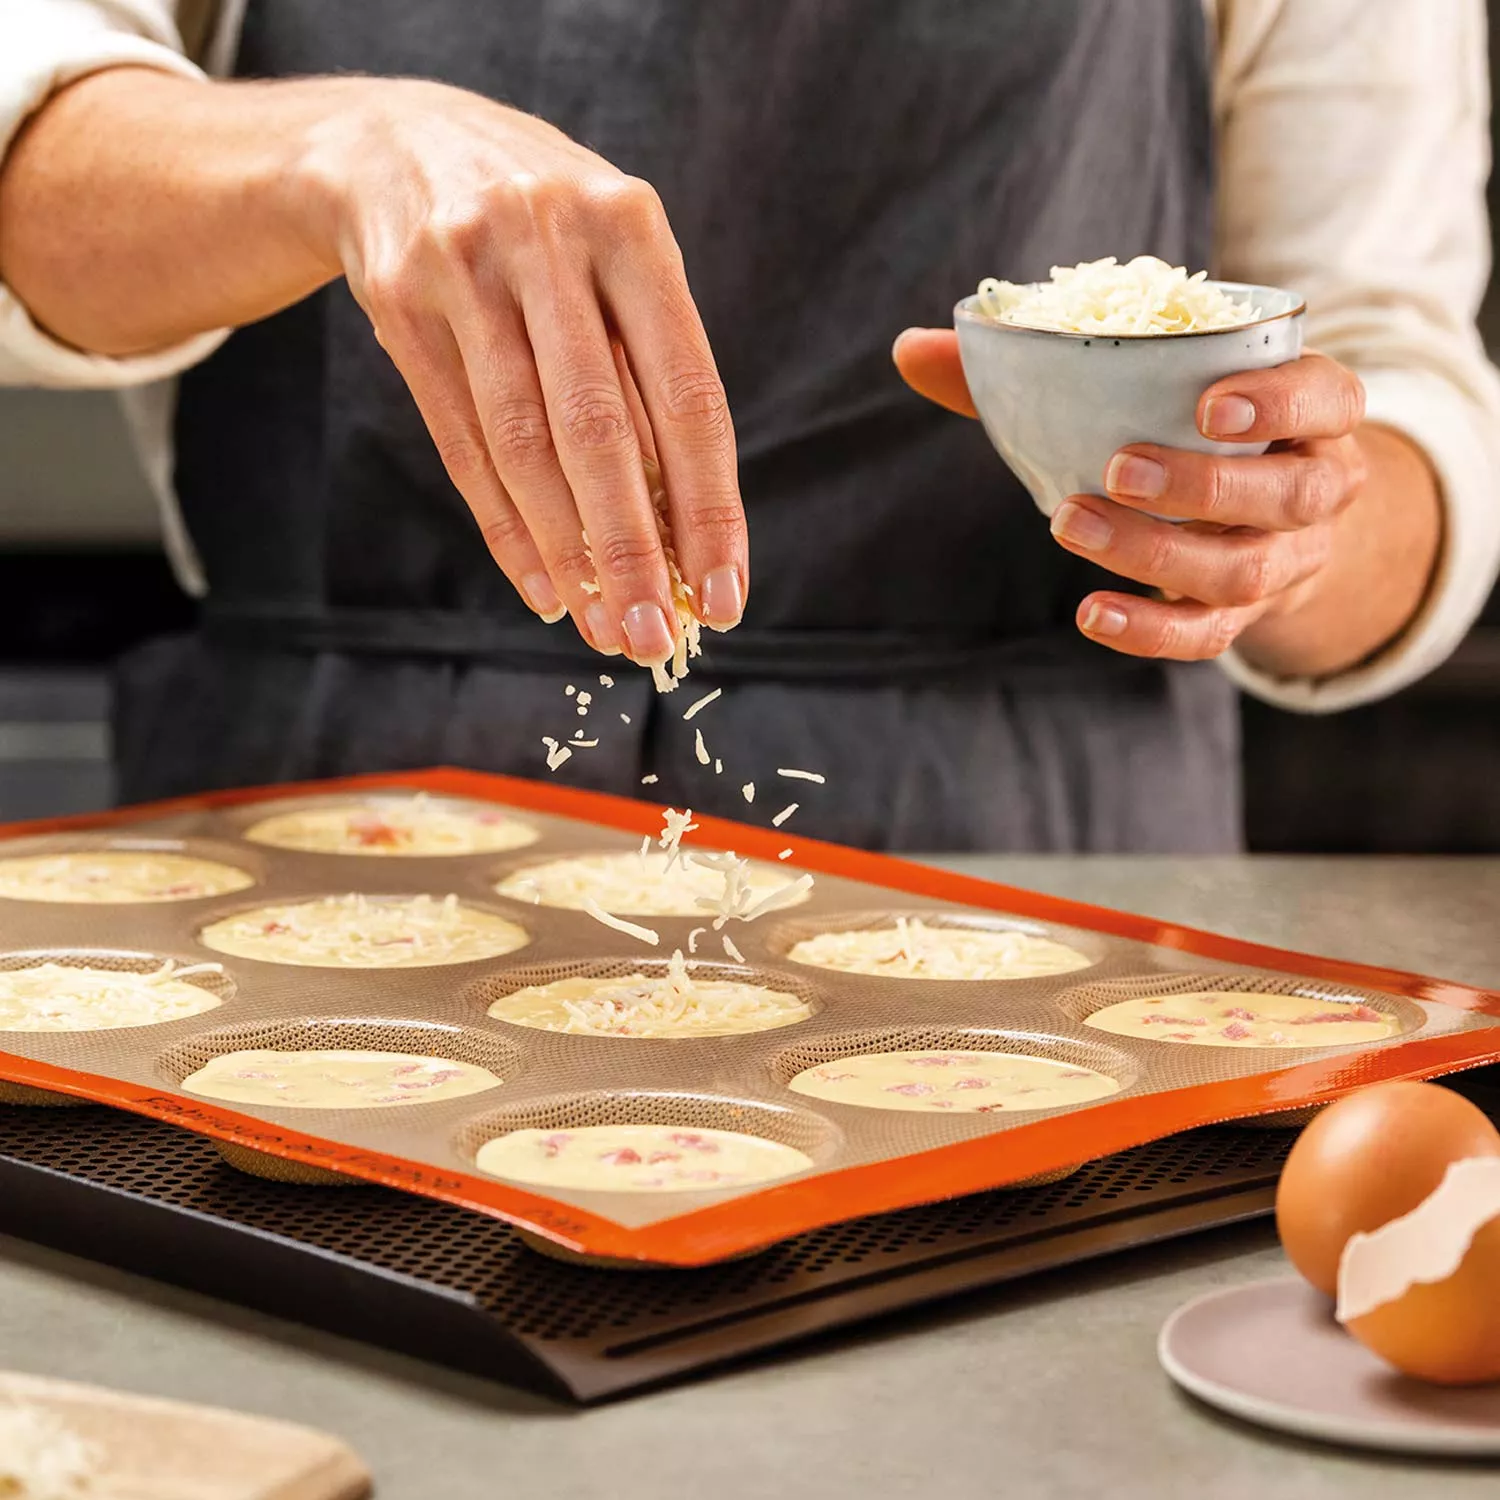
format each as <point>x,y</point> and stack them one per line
<point>1366,1160</point>
<point>1421,1291</point>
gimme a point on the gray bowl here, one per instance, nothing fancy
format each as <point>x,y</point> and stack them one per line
<point>1057,406</point>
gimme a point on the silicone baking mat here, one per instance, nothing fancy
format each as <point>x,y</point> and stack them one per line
<point>865,1160</point>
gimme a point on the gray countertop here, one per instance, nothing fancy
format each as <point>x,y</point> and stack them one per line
<point>1047,1389</point>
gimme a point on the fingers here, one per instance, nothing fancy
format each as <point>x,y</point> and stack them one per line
<point>1311,397</point>
<point>425,353</point>
<point>668,354</point>
<point>1219,568</point>
<point>1184,631</point>
<point>1279,491</point>
<point>929,363</point>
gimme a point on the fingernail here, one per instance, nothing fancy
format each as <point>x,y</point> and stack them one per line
<point>901,338</point>
<point>1228,416</point>
<point>1104,619</point>
<point>1073,523</point>
<point>647,631</point>
<point>542,597</point>
<point>723,599</point>
<point>602,635</point>
<point>1130,474</point>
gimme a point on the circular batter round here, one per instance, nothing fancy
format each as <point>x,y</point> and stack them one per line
<point>636,885</point>
<point>676,1003</point>
<point>335,1079</point>
<point>117,876</point>
<point>1236,1018</point>
<point>366,932</point>
<point>412,826</point>
<point>910,949</point>
<point>62,997</point>
<point>639,1159</point>
<point>984,1083</point>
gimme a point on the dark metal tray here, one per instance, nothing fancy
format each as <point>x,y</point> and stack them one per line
<point>455,1287</point>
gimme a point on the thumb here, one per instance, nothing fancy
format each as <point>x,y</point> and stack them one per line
<point>928,361</point>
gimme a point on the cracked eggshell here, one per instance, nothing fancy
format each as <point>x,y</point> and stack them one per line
<point>1368,1159</point>
<point>1423,1291</point>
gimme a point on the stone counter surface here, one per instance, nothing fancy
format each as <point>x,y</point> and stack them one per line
<point>1046,1390</point>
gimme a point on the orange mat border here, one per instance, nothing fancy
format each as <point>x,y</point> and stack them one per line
<point>776,1213</point>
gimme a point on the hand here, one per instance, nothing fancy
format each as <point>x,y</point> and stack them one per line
<point>534,300</point>
<point>1258,530</point>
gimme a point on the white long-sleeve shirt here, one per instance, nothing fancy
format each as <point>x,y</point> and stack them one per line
<point>1353,147</point>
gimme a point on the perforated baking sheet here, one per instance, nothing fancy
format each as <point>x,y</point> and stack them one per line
<point>864,1160</point>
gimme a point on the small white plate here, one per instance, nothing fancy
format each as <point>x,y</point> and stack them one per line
<point>1271,1353</point>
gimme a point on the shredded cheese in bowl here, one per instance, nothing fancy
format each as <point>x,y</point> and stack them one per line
<point>676,1003</point>
<point>66,997</point>
<point>366,932</point>
<point>1144,297</point>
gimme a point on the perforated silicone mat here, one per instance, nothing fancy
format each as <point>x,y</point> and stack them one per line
<point>864,1160</point>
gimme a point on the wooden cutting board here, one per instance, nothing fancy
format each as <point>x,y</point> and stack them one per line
<point>167,1450</point>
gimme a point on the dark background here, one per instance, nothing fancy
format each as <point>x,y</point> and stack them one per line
<point>1417,773</point>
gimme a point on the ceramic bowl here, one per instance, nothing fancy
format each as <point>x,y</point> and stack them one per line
<point>1057,406</point>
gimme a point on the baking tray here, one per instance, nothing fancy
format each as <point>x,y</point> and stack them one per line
<point>866,1160</point>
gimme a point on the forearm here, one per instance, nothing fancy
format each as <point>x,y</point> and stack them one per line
<point>138,208</point>
<point>1384,549</point>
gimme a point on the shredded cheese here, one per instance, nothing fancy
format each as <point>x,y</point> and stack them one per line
<point>785,854</point>
<point>605,680</point>
<point>649,780</point>
<point>910,949</point>
<point>693,937</point>
<point>800,775</point>
<point>699,748</point>
<point>702,703</point>
<point>785,813</point>
<point>65,997</point>
<point>731,950</point>
<point>1146,296</point>
<point>630,929</point>
<point>748,791</point>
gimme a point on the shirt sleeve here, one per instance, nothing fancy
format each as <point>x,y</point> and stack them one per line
<point>1353,154</point>
<point>45,45</point>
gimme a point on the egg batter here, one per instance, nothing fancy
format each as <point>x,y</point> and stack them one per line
<point>335,1079</point>
<point>676,1003</point>
<point>639,1159</point>
<point>117,876</point>
<point>910,949</point>
<point>957,1082</point>
<point>412,826</point>
<point>636,885</point>
<point>366,932</point>
<point>1239,1018</point>
<point>67,997</point>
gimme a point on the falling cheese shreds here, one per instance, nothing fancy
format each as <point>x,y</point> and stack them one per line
<point>570,690</point>
<point>674,825</point>
<point>528,890</point>
<point>785,854</point>
<point>786,895</point>
<point>649,780</point>
<point>42,1458</point>
<point>624,718</point>
<point>703,702</point>
<point>582,744</point>
<point>785,813</point>
<point>556,754</point>
<point>794,775</point>
<point>584,699</point>
<point>748,791</point>
<point>693,937</point>
<point>718,767</point>
<point>731,950</point>
<point>605,680</point>
<point>583,713</point>
<point>630,929</point>
<point>699,748</point>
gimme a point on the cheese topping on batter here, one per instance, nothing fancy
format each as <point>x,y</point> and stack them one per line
<point>648,884</point>
<point>953,1082</point>
<point>639,1159</point>
<point>61,997</point>
<point>413,826</point>
<point>366,932</point>
<point>117,876</point>
<point>910,949</point>
<point>677,1003</point>
<point>1237,1018</point>
<point>335,1079</point>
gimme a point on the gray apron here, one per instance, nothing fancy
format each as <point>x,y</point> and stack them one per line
<point>834,171</point>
